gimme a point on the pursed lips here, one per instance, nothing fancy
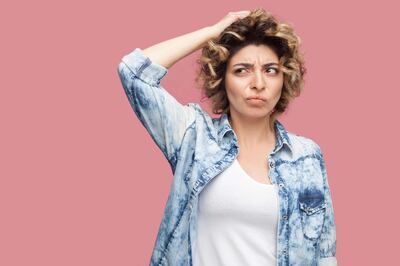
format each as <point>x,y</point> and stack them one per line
<point>256,98</point>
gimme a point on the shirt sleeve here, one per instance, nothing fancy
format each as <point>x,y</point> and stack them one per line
<point>327,241</point>
<point>165,119</point>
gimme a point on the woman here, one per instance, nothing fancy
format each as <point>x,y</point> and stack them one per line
<point>245,191</point>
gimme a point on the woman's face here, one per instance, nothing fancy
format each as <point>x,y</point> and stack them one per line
<point>253,72</point>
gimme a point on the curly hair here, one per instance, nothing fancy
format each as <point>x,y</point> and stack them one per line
<point>259,27</point>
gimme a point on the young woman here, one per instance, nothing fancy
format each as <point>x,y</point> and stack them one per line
<point>245,191</point>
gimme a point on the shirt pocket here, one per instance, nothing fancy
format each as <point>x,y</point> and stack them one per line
<point>312,212</point>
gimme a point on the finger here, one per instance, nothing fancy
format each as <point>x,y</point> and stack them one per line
<point>242,13</point>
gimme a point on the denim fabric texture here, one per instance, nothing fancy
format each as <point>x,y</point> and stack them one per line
<point>199,147</point>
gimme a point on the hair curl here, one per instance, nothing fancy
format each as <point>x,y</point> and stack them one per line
<point>259,27</point>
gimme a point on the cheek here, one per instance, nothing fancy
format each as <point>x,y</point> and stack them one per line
<point>229,83</point>
<point>231,95</point>
<point>233,87</point>
<point>276,95</point>
<point>277,87</point>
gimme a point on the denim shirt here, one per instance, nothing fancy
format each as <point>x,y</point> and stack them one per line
<point>199,147</point>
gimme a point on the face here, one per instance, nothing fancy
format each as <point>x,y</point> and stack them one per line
<point>253,72</point>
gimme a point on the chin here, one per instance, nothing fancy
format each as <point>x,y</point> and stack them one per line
<point>253,113</point>
<point>257,115</point>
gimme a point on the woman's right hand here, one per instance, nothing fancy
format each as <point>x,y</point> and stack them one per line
<point>228,20</point>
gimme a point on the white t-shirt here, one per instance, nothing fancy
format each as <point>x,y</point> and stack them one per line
<point>237,221</point>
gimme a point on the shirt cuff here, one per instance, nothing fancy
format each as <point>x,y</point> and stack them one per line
<point>143,68</point>
<point>328,261</point>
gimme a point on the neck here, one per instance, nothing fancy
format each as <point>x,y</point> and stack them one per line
<point>252,133</point>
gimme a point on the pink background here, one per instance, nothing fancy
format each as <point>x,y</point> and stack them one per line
<point>82,182</point>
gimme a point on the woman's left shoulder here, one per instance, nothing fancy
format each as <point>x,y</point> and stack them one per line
<point>304,144</point>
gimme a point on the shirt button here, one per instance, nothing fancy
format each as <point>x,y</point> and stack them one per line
<point>284,217</point>
<point>284,252</point>
<point>281,185</point>
<point>271,164</point>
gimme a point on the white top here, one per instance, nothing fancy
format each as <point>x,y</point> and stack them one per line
<point>237,221</point>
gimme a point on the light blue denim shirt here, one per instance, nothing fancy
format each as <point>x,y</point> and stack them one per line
<point>199,147</point>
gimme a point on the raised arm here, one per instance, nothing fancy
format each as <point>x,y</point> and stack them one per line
<point>168,52</point>
<point>141,71</point>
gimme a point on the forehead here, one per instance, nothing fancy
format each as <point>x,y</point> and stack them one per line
<point>254,54</point>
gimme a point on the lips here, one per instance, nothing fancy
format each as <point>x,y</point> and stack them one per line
<point>256,98</point>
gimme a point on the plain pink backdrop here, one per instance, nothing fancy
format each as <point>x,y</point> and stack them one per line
<point>82,182</point>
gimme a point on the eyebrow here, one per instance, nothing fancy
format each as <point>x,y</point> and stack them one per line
<point>251,65</point>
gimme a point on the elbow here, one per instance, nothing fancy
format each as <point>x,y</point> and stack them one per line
<point>120,68</point>
<point>123,72</point>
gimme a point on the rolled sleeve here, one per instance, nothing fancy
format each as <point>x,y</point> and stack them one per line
<point>143,68</point>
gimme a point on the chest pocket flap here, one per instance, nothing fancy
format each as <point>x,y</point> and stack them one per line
<point>312,210</point>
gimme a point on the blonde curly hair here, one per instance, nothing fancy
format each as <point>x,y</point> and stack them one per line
<point>259,27</point>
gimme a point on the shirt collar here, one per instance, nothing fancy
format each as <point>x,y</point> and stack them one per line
<point>282,133</point>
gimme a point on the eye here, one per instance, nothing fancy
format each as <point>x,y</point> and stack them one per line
<point>239,70</point>
<point>275,70</point>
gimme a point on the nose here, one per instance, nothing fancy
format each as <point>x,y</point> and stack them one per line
<point>258,81</point>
